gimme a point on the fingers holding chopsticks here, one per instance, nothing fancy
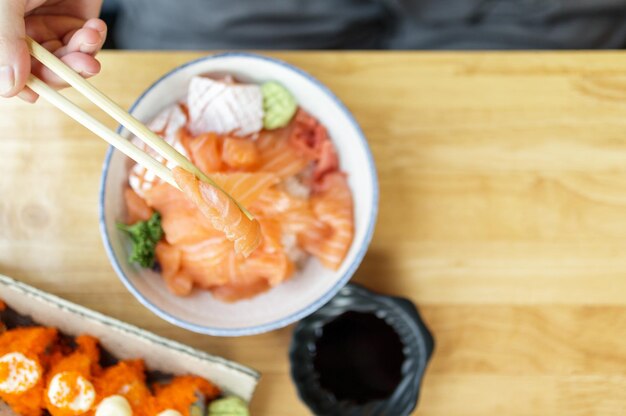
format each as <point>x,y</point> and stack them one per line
<point>58,26</point>
<point>14,57</point>
<point>77,48</point>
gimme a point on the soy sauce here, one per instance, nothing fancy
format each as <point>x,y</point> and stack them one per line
<point>358,358</point>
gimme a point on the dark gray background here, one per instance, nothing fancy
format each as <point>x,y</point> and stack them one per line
<point>367,24</point>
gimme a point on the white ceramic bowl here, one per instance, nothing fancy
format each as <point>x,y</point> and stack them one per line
<point>311,287</point>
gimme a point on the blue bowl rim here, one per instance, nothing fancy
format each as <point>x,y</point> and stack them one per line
<point>280,323</point>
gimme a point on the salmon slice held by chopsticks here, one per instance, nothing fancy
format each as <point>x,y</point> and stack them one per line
<point>222,212</point>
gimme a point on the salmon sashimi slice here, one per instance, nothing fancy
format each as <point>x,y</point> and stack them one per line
<point>294,213</point>
<point>278,156</point>
<point>222,212</point>
<point>273,267</point>
<point>203,261</point>
<point>276,201</point>
<point>233,292</point>
<point>182,265</point>
<point>272,235</point>
<point>251,276</point>
<point>240,153</point>
<point>333,206</point>
<point>170,260</point>
<point>215,263</point>
<point>181,220</point>
<point>206,152</point>
<point>245,187</point>
<point>136,207</point>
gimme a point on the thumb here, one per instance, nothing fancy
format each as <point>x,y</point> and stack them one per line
<point>14,56</point>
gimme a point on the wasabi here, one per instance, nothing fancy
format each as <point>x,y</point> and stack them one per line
<point>278,104</point>
<point>228,406</point>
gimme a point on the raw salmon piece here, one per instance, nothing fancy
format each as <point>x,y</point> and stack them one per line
<point>276,201</point>
<point>210,251</point>
<point>314,235</point>
<point>136,207</point>
<point>181,220</point>
<point>240,153</point>
<point>170,259</point>
<point>203,261</point>
<point>333,206</point>
<point>295,214</point>
<point>272,235</point>
<point>278,156</point>
<point>221,211</point>
<point>274,267</point>
<point>234,269</point>
<point>245,187</point>
<point>181,284</point>
<point>254,275</point>
<point>233,292</point>
<point>224,107</point>
<point>206,153</point>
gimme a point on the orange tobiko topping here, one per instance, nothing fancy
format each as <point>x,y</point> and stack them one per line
<point>182,392</point>
<point>42,373</point>
<point>127,379</point>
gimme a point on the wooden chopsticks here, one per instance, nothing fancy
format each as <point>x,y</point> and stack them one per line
<point>114,139</point>
<point>115,111</point>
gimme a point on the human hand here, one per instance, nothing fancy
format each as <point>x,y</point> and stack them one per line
<point>68,28</point>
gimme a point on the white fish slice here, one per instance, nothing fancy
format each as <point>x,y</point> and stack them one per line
<point>167,123</point>
<point>141,180</point>
<point>224,107</point>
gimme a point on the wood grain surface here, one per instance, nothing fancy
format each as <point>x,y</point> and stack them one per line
<point>503,216</point>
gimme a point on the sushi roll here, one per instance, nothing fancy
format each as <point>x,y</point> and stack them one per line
<point>44,372</point>
<point>69,389</point>
<point>114,406</point>
<point>23,360</point>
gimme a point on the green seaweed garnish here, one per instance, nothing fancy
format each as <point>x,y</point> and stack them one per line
<point>279,105</point>
<point>144,236</point>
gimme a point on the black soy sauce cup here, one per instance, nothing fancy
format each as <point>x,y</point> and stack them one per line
<point>401,315</point>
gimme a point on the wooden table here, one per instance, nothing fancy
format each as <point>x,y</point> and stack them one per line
<point>503,216</point>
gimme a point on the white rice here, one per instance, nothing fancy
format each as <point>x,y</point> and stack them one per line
<point>296,188</point>
<point>295,253</point>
